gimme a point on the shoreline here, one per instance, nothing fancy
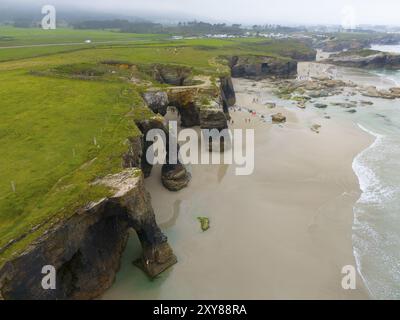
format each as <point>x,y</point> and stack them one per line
<point>362,188</point>
<point>295,237</point>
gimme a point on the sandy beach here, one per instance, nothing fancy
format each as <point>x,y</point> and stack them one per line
<point>285,232</point>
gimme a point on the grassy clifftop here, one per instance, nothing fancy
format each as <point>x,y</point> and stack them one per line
<point>57,136</point>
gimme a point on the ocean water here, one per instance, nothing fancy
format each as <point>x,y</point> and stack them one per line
<point>376,230</point>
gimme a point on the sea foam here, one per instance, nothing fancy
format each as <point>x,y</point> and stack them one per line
<point>376,228</point>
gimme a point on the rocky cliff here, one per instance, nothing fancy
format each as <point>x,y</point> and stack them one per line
<point>86,248</point>
<point>206,106</point>
<point>366,59</point>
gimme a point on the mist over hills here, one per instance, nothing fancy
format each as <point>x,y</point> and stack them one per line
<point>120,14</point>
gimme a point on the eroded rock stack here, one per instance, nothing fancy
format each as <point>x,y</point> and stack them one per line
<point>174,176</point>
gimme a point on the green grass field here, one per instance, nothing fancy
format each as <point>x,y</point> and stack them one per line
<point>58,134</point>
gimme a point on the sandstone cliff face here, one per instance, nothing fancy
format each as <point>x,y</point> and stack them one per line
<point>228,95</point>
<point>206,106</point>
<point>169,74</point>
<point>261,67</point>
<point>86,248</point>
<point>184,100</point>
<point>213,121</point>
<point>372,61</point>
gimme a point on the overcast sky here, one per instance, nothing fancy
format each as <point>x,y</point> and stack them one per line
<point>242,11</point>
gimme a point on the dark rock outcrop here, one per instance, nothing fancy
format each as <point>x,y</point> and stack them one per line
<point>185,102</point>
<point>213,121</point>
<point>228,95</point>
<point>334,44</point>
<point>373,92</point>
<point>171,74</point>
<point>157,101</point>
<point>366,59</point>
<point>174,176</point>
<point>86,248</point>
<point>261,67</point>
<point>278,118</point>
<point>133,157</point>
<point>213,117</point>
<point>340,45</point>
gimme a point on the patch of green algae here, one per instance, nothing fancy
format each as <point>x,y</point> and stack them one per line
<point>204,223</point>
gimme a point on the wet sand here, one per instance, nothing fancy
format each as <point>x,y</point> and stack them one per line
<point>285,232</point>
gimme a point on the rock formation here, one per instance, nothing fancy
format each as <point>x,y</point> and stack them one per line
<point>184,100</point>
<point>373,92</point>
<point>366,59</point>
<point>320,105</point>
<point>86,248</point>
<point>169,74</point>
<point>203,105</point>
<point>213,117</point>
<point>278,118</point>
<point>340,45</point>
<point>261,67</point>
<point>207,107</point>
<point>304,90</point>
<point>315,128</point>
<point>228,95</point>
<point>174,176</point>
<point>157,101</point>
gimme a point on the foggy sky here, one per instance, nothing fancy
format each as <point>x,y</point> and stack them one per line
<point>239,11</point>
